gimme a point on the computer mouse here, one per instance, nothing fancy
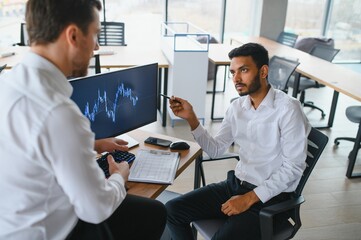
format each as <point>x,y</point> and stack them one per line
<point>179,146</point>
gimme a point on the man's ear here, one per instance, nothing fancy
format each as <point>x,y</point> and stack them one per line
<point>264,71</point>
<point>71,33</point>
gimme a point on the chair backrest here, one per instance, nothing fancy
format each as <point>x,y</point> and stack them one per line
<point>306,44</point>
<point>324,52</point>
<point>204,39</point>
<point>112,34</point>
<point>280,71</point>
<point>317,141</point>
<point>287,38</point>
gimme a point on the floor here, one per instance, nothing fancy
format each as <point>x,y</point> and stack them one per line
<point>333,202</point>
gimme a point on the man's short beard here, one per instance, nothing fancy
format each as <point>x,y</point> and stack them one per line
<point>254,86</point>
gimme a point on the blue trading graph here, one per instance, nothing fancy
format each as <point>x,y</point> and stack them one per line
<point>104,104</point>
<point>118,101</point>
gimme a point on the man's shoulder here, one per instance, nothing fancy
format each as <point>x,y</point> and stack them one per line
<point>283,99</point>
<point>36,85</point>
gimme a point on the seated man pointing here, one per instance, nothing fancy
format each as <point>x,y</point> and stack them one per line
<point>271,130</point>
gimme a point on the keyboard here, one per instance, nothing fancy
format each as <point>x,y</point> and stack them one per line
<point>118,156</point>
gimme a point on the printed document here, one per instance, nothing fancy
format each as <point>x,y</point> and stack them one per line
<point>154,166</point>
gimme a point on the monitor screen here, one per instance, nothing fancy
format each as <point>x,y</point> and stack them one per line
<point>119,101</point>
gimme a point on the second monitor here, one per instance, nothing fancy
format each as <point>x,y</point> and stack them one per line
<point>119,101</point>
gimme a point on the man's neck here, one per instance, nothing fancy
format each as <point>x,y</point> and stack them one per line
<point>257,97</point>
<point>53,53</point>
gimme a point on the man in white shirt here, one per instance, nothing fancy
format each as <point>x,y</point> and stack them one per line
<point>271,131</point>
<point>50,184</point>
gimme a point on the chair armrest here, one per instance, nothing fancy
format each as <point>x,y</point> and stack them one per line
<point>226,155</point>
<point>281,207</point>
<point>266,215</point>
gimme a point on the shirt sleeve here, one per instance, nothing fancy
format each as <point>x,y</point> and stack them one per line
<point>294,130</point>
<point>215,146</point>
<point>68,145</point>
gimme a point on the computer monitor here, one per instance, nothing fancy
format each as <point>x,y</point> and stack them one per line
<point>119,101</point>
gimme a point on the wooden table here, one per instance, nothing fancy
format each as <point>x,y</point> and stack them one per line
<point>186,158</point>
<point>340,79</point>
<point>121,57</point>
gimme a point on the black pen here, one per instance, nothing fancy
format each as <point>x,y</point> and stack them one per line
<point>168,97</point>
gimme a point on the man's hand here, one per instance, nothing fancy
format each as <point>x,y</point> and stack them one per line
<point>110,144</point>
<point>239,203</point>
<point>122,168</point>
<point>183,109</point>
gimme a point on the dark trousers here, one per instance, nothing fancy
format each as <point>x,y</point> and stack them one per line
<point>205,203</point>
<point>135,218</point>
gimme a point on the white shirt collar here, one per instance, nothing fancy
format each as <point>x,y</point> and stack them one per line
<point>268,101</point>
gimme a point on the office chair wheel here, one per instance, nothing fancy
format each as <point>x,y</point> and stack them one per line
<point>336,142</point>
<point>323,115</point>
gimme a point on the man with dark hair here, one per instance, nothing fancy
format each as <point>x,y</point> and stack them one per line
<point>271,131</point>
<point>50,184</point>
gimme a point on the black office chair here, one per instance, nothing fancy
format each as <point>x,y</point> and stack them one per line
<point>353,113</point>
<point>279,72</point>
<point>306,44</point>
<point>321,51</point>
<point>268,215</point>
<point>287,38</point>
<point>112,34</point>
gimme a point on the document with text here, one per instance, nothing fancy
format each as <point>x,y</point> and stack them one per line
<point>154,166</point>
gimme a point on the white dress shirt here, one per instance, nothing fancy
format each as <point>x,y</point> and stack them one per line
<point>49,177</point>
<point>272,140</point>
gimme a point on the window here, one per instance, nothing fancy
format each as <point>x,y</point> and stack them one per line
<point>345,28</point>
<point>142,18</point>
<point>242,18</point>
<point>340,21</point>
<point>304,18</point>
<point>12,13</point>
<point>205,14</point>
